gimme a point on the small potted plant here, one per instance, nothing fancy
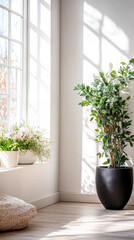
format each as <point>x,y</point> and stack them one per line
<point>108,97</point>
<point>32,143</point>
<point>8,149</point>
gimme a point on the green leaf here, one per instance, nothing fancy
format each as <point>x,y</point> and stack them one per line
<point>97,130</point>
<point>131,144</point>
<point>126,117</point>
<point>127,132</point>
<point>128,97</point>
<point>131,73</point>
<point>99,154</point>
<point>107,162</point>
<point>96,140</point>
<point>113,72</point>
<point>104,111</point>
<point>132,60</point>
<point>91,119</point>
<point>102,75</point>
<point>123,63</point>
<point>87,88</point>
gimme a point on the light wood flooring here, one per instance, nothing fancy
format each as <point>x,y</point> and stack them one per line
<point>77,221</point>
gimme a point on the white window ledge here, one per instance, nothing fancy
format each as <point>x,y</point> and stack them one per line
<point>20,167</point>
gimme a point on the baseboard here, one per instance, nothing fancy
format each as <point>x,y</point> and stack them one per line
<point>70,197</point>
<point>78,197</point>
<point>47,200</point>
<point>85,198</point>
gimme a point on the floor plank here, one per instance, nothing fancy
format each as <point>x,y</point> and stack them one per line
<point>77,221</point>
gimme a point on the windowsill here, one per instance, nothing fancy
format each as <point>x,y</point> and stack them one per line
<point>20,167</point>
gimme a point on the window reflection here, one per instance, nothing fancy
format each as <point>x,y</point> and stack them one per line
<point>3,79</point>
<point>3,22</point>
<point>3,107</point>
<point>3,51</point>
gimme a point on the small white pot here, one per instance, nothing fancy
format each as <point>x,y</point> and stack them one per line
<point>9,159</point>
<point>27,157</point>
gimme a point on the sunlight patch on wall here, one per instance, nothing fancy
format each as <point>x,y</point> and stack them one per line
<point>89,151</point>
<point>39,92</point>
<point>115,34</point>
<point>88,70</point>
<point>103,42</point>
<point>45,19</point>
<point>111,53</point>
<point>92,17</point>
<point>90,40</point>
<point>33,12</point>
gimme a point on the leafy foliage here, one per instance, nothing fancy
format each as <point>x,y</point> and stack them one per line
<point>108,99</point>
<point>25,137</point>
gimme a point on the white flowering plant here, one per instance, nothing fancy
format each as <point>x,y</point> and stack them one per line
<point>25,137</point>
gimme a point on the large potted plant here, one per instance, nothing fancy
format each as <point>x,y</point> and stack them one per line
<point>108,96</point>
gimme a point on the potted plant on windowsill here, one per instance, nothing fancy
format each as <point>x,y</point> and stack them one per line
<point>23,144</point>
<point>8,150</point>
<point>108,98</point>
<point>32,142</point>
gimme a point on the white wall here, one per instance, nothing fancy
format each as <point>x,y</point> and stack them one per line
<point>93,33</point>
<point>34,183</point>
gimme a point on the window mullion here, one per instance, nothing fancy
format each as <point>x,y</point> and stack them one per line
<point>9,57</point>
<point>25,57</point>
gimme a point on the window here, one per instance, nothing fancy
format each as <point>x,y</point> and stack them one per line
<point>11,61</point>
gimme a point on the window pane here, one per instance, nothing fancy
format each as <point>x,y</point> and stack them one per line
<point>3,107</point>
<point>16,27</point>
<point>4,3</point>
<point>13,108</point>
<point>17,6</point>
<point>16,54</point>
<point>3,22</point>
<point>15,104</point>
<point>16,82</point>
<point>3,79</point>
<point>3,124</point>
<point>3,50</point>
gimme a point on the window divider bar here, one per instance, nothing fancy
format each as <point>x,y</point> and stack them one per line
<point>10,10</point>
<point>11,39</point>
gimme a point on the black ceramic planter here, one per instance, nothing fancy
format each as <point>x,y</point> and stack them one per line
<point>114,186</point>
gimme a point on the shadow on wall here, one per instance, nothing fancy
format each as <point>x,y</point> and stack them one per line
<point>107,38</point>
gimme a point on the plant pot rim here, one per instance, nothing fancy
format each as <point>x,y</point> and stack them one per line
<point>118,168</point>
<point>8,151</point>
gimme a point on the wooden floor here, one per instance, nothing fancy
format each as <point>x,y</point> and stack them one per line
<point>77,221</point>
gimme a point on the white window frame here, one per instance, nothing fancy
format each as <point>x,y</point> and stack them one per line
<point>24,58</point>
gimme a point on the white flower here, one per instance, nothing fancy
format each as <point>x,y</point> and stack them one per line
<point>24,131</point>
<point>18,136</point>
<point>8,135</point>
<point>29,135</point>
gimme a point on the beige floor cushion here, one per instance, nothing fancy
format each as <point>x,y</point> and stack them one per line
<point>14,213</point>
